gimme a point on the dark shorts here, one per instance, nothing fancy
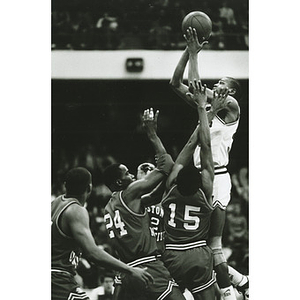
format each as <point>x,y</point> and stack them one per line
<point>65,287</point>
<point>192,268</point>
<point>161,288</point>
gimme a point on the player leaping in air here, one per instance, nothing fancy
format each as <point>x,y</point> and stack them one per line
<point>223,120</point>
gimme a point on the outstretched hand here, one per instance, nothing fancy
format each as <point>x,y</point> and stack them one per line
<point>199,95</point>
<point>219,98</point>
<point>150,120</point>
<point>193,44</point>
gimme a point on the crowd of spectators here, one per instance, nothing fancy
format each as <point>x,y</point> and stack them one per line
<point>235,237</point>
<point>143,24</point>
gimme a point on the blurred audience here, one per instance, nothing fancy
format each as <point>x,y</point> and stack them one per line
<point>236,234</point>
<point>140,24</point>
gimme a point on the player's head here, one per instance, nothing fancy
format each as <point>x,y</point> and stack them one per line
<point>188,180</point>
<point>143,169</point>
<point>117,177</point>
<point>235,89</point>
<point>108,282</point>
<point>78,181</point>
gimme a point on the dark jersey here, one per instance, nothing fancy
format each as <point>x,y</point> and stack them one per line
<point>156,215</point>
<point>186,218</point>
<point>130,232</point>
<point>65,252</point>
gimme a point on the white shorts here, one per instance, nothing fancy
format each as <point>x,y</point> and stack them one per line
<point>221,190</point>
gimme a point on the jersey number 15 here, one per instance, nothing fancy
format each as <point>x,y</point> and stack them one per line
<point>192,223</point>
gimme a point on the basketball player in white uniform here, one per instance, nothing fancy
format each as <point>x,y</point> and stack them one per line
<point>223,122</point>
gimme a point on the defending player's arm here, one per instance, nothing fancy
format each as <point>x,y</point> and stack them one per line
<point>183,158</point>
<point>186,153</point>
<point>164,161</point>
<point>156,195</point>
<point>77,219</point>
<point>207,165</point>
<point>144,186</point>
<point>150,125</point>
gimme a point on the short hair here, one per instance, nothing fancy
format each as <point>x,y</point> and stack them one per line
<point>111,174</point>
<point>188,180</point>
<point>237,86</point>
<point>77,180</point>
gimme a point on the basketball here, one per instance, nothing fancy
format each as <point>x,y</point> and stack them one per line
<point>201,22</point>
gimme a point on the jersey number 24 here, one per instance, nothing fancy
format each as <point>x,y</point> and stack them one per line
<point>115,221</point>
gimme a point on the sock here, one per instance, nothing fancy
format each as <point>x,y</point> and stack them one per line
<point>228,293</point>
<point>236,278</point>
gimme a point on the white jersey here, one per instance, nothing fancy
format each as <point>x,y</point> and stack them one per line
<point>221,141</point>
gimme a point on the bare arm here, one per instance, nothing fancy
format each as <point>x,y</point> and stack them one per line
<point>207,165</point>
<point>146,185</point>
<point>164,164</point>
<point>183,158</point>
<point>155,196</point>
<point>203,135</point>
<point>200,99</point>
<point>177,78</point>
<point>191,55</point>
<point>193,47</point>
<point>150,125</point>
<point>77,219</point>
<point>176,81</point>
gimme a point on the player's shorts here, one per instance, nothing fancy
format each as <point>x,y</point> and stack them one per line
<point>160,289</point>
<point>191,268</point>
<point>65,287</point>
<point>221,188</point>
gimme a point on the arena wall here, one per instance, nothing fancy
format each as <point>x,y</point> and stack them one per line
<point>111,65</point>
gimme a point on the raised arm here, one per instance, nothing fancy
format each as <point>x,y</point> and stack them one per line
<point>177,78</point>
<point>207,165</point>
<point>183,158</point>
<point>176,81</point>
<point>150,125</point>
<point>156,195</point>
<point>77,220</point>
<point>186,153</point>
<point>146,185</point>
<point>164,162</point>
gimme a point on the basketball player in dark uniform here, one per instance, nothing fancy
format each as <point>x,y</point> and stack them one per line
<point>71,236</point>
<point>187,209</point>
<point>154,208</point>
<point>128,224</point>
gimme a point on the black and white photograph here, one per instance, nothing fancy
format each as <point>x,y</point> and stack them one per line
<point>150,150</point>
